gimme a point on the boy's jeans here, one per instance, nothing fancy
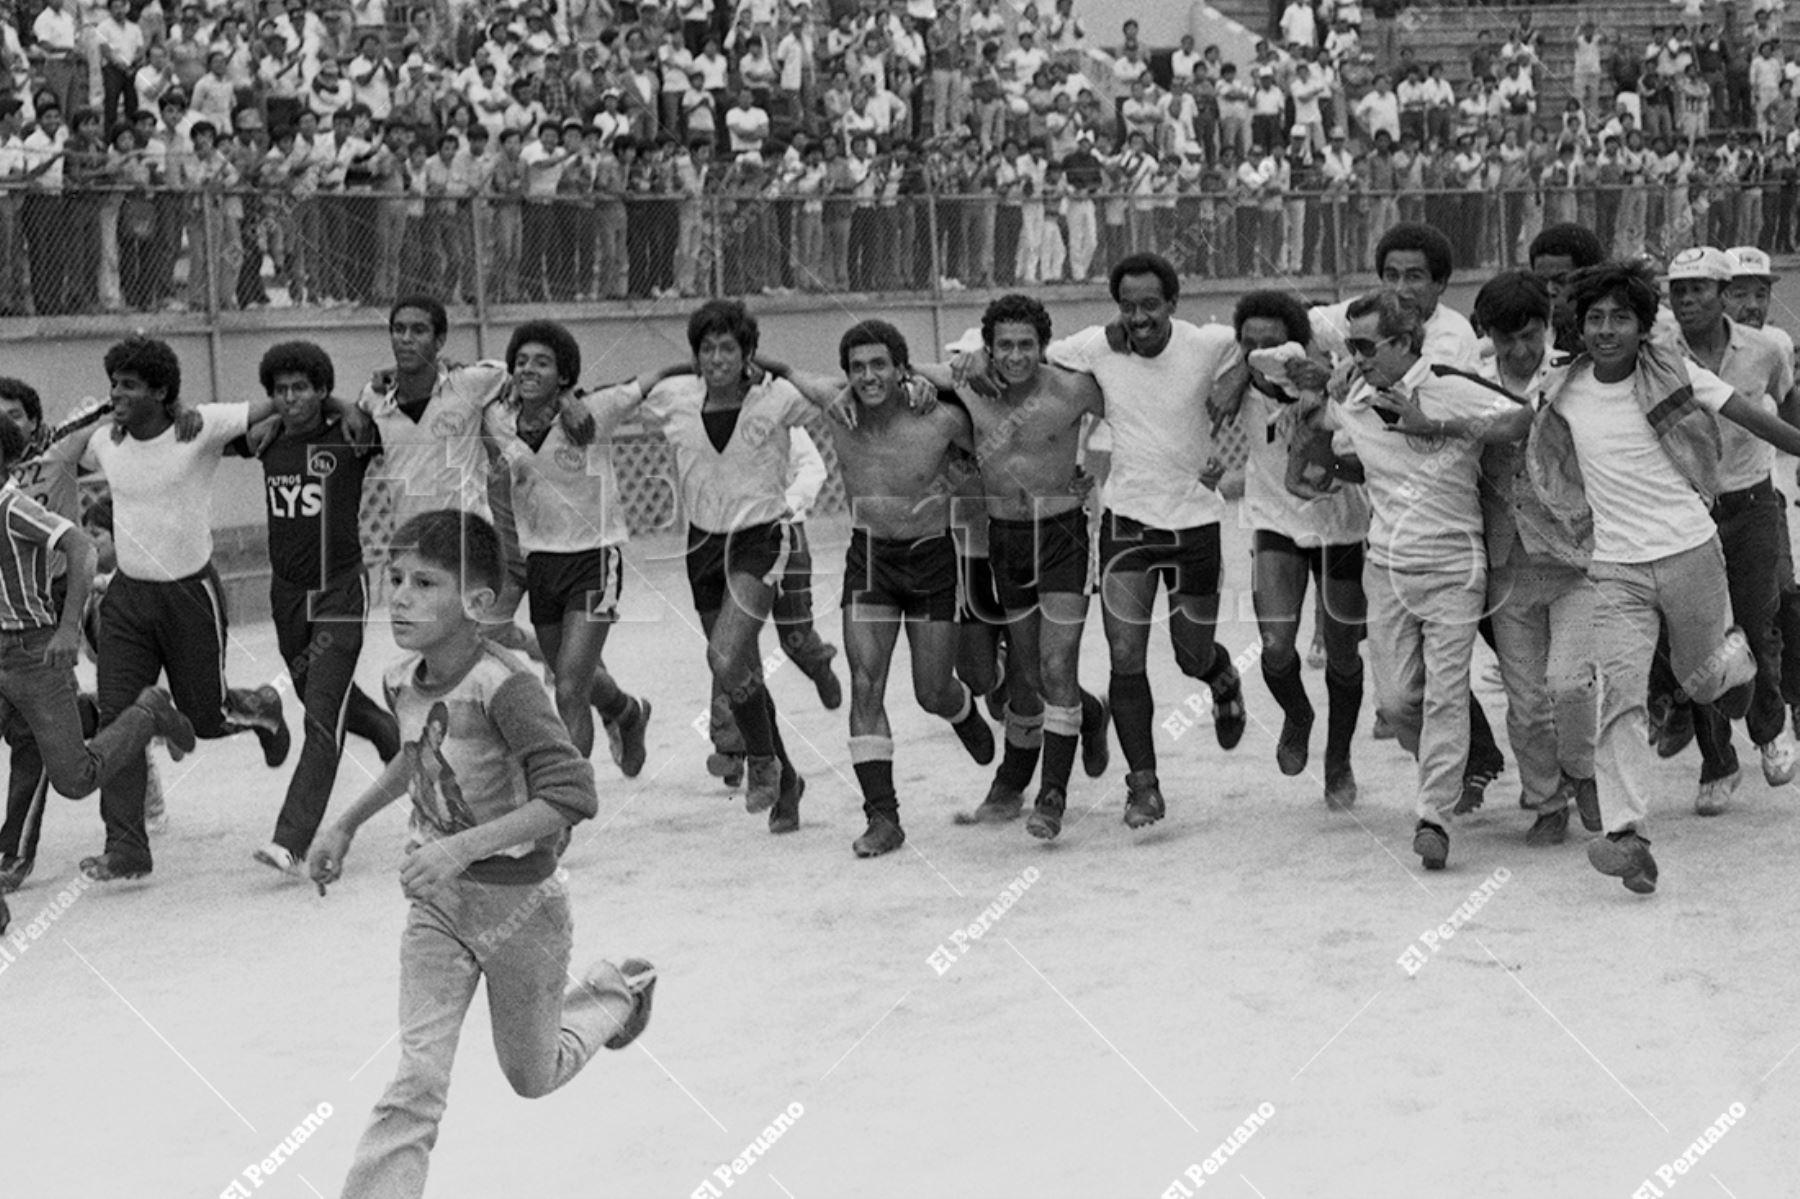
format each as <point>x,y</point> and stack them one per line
<point>518,937</point>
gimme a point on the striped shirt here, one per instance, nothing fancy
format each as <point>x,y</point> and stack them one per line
<point>50,471</point>
<point>32,533</point>
<point>565,496</point>
<point>746,483</point>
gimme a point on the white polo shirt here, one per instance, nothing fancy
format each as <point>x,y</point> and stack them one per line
<point>744,484</point>
<point>1756,365</point>
<point>440,459</point>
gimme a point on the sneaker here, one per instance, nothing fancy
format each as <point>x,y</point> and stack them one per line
<point>784,817</point>
<point>1144,804</point>
<point>631,753</point>
<point>1677,731</point>
<point>1626,856</point>
<point>112,867</point>
<point>14,870</point>
<point>764,787</point>
<point>884,835</point>
<point>1713,798</point>
<point>1229,717</point>
<point>831,692</point>
<point>1291,746</point>
<point>1046,817</point>
<point>976,737</point>
<point>1432,844</point>
<point>1383,730</point>
<point>1587,803</point>
<point>1780,759</point>
<point>640,981</point>
<point>1002,804</point>
<point>1096,752</point>
<point>277,857</point>
<point>726,766</point>
<point>176,730</point>
<point>1340,788</point>
<point>1550,828</point>
<point>262,712</point>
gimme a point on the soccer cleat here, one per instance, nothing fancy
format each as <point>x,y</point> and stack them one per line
<point>1002,804</point>
<point>1677,731</point>
<point>726,766</point>
<point>110,867</point>
<point>640,983</point>
<point>1096,753</point>
<point>1291,746</point>
<point>1550,828</point>
<point>1587,803</point>
<point>262,712</point>
<point>764,785</point>
<point>1780,758</point>
<point>784,817</point>
<point>277,857</point>
<point>1144,804</point>
<point>1714,797</point>
<point>976,737</point>
<point>1432,843</point>
<point>1046,818</point>
<point>14,870</point>
<point>631,753</point>
<point>884,835</point>
<point>1625,856</point>
<point>831,692</point>
<point>1229,717</point>
<point>176,730</point>
<point>1340,788</point>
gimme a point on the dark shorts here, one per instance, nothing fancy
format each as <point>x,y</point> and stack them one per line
<point>760,551</point>
<point>979,603</point>
<point>1187,560</point>
<point>1339,563</point>
<point>587,581</point>
<point>1033,557</point>
<point>918,577</point>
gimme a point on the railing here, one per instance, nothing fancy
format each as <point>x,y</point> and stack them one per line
<point>75,252</point>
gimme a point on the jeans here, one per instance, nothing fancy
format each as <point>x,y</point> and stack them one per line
<point>1543,614</point>
<point>518,938</point>
<point>44,697</point>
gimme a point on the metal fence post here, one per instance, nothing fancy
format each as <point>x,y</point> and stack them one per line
<point>715,243</point>
<point>205,255</point>
<point>937,253</point>
<point>478,219</point>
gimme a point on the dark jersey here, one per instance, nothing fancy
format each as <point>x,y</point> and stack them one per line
<point>312,488</point>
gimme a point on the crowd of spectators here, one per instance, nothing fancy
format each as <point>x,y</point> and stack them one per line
<point>229,152</point>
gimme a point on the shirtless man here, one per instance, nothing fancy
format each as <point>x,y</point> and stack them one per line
<point>901,566</point>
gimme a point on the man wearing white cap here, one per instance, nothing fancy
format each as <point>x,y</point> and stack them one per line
<point>1747,511</point>
<point>1747,303</point>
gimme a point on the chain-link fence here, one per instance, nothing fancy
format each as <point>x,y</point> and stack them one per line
<point>206,251</point>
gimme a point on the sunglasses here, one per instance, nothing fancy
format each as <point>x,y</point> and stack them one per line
<point>1363,347</point>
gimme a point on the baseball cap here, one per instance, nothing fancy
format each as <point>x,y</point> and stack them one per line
<point>1702,262</point>
<point>1748,262</point>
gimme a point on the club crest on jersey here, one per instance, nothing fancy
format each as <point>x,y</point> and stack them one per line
<point>321,462</point>
<point>571,457</point>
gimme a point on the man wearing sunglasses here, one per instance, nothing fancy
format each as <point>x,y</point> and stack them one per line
<point>1416,427</point>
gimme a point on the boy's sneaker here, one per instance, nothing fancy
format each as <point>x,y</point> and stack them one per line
<point>1780,759</point>
<point>1432,844</point>
<point>764,787</point>
<point>277,857</point>
<point>640,983</point>
<point>1002,804</point>
<point>1046,817</point>
<point>1587,803</point>
<point>726,766</point>
<point>111,867</point>
<point>1144,804</point>
<point>1625,856</point>
<point>14,870</point>
<point>883,836</point>
<point>1714,797</point>
<point>1340,788</point>
<point>176,730</point>
<point>1229,717</point>
<point>1291,747</point>
<point>784,817</point>
<point>631,753</point>
<point>1096,753</point>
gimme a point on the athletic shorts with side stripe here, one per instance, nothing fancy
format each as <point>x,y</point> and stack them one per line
<point>915,576</point>
<point>1186,560</point>
<point>760,551</point>
<point>1034,557</point>
<point>587,581</point>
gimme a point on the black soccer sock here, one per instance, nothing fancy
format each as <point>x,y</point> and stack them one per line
<point>873,759</point>
<point>963,721</point>
<point>1092,715</point>
<point>1344,698</point>
<point>1288,688</point>
<point>754,714</point>
<point>1062,728</point>
<point>1132,708</point>
<point>1024,741</point>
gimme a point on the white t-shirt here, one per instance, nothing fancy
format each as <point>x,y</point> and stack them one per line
<point>749,128</point>
<point>1644,508</point>
<point>162,493</point>
<point>1156,408</point>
